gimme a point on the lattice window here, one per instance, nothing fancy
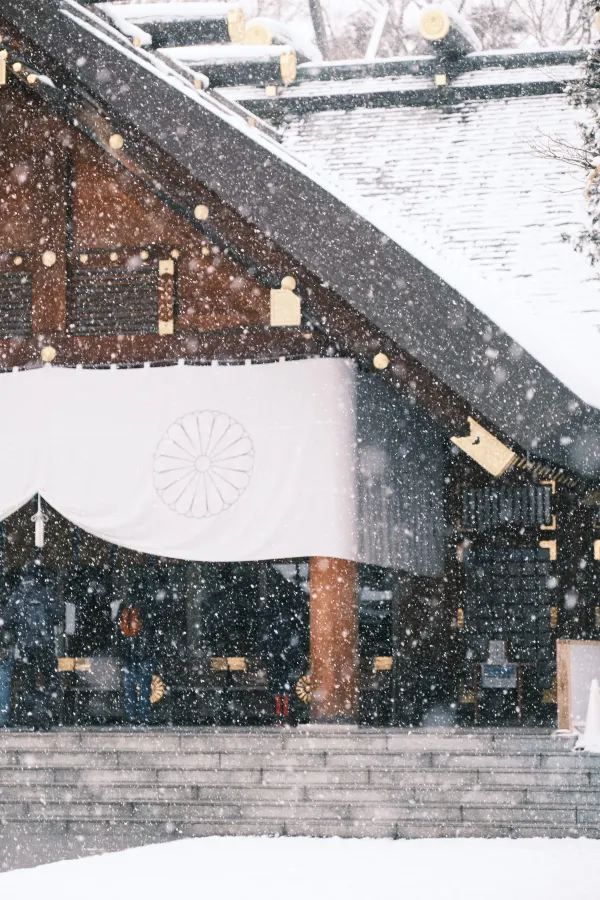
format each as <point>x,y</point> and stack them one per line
<point>15,304</point>
<point>496,505</point>
<point>109,301</point>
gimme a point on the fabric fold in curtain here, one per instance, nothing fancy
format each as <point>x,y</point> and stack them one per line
<point>207,463</point>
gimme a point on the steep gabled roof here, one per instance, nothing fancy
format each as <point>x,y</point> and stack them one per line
<point>473,172</point>
<point>439,311</point>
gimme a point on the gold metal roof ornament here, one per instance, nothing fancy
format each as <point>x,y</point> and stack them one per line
<point>488,451</point>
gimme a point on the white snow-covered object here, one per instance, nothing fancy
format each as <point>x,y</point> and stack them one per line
<point>590,739</point>
<point>297,34</point>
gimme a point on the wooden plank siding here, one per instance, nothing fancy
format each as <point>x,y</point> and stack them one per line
<point>61,193</point>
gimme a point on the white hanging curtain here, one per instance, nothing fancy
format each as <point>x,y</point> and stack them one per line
<point>212,463</point>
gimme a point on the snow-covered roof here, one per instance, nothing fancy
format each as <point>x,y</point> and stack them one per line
<point>477,183</point>
<point>224,54</point>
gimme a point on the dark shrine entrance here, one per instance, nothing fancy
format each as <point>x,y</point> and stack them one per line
<point>230,640</point>
<point>233,640</point>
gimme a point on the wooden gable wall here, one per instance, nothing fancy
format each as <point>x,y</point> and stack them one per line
<point>61,194</point>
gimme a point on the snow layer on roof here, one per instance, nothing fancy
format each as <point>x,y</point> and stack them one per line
<point>127,17</point>
<point>299,34</point>
<point>473,183</point>
<point>225,54</point>
<point>171,11</point>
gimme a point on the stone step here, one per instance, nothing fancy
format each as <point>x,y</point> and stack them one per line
<point>181,812</point>
<point>288,740</point>
<point>98,785</point>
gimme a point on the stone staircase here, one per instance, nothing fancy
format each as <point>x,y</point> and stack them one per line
<point>73,792</point>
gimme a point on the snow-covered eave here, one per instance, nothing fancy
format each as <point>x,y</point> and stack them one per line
<point>406,290</point>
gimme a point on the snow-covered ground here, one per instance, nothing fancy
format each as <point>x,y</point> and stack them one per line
<point>312,869</point>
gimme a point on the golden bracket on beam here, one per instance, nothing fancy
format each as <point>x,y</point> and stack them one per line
<point>550,546</point>
<point>383,663</point>
<point>551,526</point>
<point>285,305</point>
<point>597,548</point>
<point>3,58</point>
<point>236,25</point>
<point>489,452</point>
<point>166,327</point>
<point>166,267</point>
<point>288,66</point>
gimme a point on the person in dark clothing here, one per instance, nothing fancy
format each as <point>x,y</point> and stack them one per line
<point>32,613</point>
<point>137,633</point>
<point>7,665</point>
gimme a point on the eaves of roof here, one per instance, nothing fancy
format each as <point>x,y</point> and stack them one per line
<point>384,94</point>
<point>403,296</point>
<point>352,70</point>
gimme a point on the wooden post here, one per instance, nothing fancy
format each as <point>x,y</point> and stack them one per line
<point>333,640</point>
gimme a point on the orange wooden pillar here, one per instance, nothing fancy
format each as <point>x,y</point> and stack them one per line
<point>333,639</point>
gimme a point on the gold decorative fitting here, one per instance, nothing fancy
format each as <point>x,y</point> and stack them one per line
<point>597,548</point>
<point>270,90</point>
<point>136,40</point>
<point>144,254</point>
<point>303,688</point>
<point>48,258</point>
<point>218,664</point>
<point>551,526</point>
<point>553,616</point>
<point>551,547</point>
<point>551,483</point>
<point>468,697</point>
<point>381,361</point>
<point>460,617</point>
<point>114,256</point>
<point>434,24</point>
<point>440,79</point>
<point>201,212</point>
<point>115,142</point>
<point>175,253</point>
<point>166,267</point>
<point>237,663</point>
<point>288,66</point>
<point>288,283</point>
<point>32,78</point>
<point>597,21</point>
<point>285,305</point>
<point>73,664</point>
<point>257,34</point>
<point>83,257</point>
<point>48,354</point>
<point>3,58</point>
<point>18,261</point>
<point>489,452</point>
<point>17,66</point>
<point>165,327</point>
<point>157,689</point>
<point>236,25</point>
<point>383,663</point>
